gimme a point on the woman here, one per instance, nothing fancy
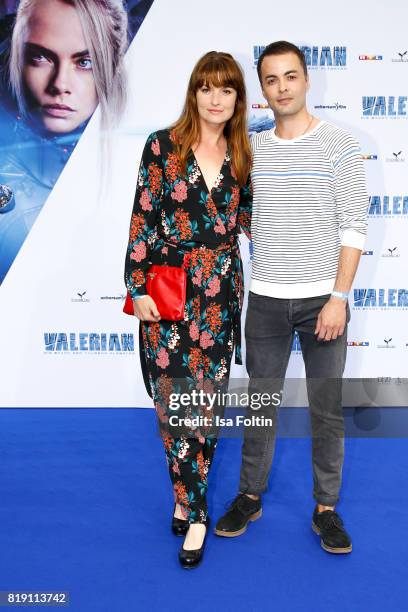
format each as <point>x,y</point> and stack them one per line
<point>58,76</point>
<point>57,70</point>
<point>193,195</point>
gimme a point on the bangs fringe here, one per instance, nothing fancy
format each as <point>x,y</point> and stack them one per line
<point>217,74</point>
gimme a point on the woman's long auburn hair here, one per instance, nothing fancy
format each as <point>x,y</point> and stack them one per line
<point>220,70</point>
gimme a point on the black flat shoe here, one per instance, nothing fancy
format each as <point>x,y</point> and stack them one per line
<point>179,526</point>
<point>192,558</point>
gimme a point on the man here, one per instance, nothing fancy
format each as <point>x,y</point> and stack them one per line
<point>308,228</point>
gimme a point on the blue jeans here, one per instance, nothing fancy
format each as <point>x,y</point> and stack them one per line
<point>269,329</point>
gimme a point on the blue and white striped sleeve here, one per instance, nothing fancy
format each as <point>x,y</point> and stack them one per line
<point>350,192</point>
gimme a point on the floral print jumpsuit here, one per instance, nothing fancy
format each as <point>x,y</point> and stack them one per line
<point>177,221</point>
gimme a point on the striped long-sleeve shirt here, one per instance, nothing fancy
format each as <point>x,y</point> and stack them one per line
<point>309,198</point>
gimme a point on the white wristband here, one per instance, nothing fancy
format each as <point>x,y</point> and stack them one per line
<point>340,294</point>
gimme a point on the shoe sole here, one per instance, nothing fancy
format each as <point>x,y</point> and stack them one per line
<point>336,551</point>
<point>234,534</point>
<point>187,566</point>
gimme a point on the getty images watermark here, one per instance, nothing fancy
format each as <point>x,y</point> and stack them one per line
<point>372,407</point>
<point>203,401</point>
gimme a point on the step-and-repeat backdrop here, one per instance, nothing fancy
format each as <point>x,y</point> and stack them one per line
<point>63,226</point>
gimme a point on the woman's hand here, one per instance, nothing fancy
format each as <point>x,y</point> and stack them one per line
<point>145,309</point>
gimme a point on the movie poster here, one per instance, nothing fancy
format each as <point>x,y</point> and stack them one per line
<point>52,78</point>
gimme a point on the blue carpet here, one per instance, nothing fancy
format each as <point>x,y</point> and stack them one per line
<point>86,504</point>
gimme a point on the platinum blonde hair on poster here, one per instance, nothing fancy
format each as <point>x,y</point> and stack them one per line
<point>105,27</point>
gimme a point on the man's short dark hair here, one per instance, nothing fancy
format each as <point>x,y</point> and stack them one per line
<point>279,48</point>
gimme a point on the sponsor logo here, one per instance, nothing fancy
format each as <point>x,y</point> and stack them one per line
<point>387,380</point>
<point>88,343</point>
<point>370,58</point>
<point>80,296</point>
<point>368,157</point>
<point>358,343</point>
<point>386,344</point>
<point>260,105</point>
<point>391,252</point>
<point>388,206</point>
<point>121,297</point>
<point>367,253</point>
<point>380,299</point>
<point>331,58</point>
<point>384,380</point>
<point>402,57</point>
<point>390,107</point>
<point>336,106</point>
<point>396,158</point>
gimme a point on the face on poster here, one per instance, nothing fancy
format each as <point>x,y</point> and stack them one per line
<point>52,78</point>
<point>57,69</point>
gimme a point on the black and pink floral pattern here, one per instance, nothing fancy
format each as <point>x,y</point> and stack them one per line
<point>176,220</point>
